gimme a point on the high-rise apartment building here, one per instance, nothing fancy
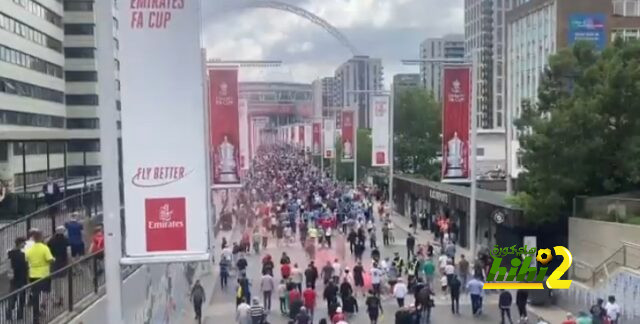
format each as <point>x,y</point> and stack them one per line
<point>539,28</point>
<point>485,44</point>
<point>403,81</point>
<point>31,84</point>
<point>356,82</point>
<point>48,81</point>
<point>449,47</point>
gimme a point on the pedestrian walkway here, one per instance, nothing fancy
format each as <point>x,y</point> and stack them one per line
<point>553,314</point>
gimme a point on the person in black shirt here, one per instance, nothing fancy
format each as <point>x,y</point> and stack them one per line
<point>358,277</point>
<point>374,307</point>
<point>411,244</point>
<point>311,275</point>
<point>58,244</point>
<point>345,289</point>
<point>454,288</point>
<point>20,269</point>
<point>504,302</point>
<point>521,301</point>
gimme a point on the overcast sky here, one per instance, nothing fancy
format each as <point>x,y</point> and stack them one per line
<point>388,29</point>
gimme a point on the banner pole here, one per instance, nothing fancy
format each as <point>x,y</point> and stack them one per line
<point>472,163</point>
<point>355,148</point>
<point>391,154</point>
<point>107,114</point>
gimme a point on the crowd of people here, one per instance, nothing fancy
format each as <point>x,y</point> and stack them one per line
<point>38,261</point>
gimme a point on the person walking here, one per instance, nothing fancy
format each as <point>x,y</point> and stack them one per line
<point>450,251</point>
<point>224,272</point>
<point>411,244</point>
<point>330,293</point>
<point>327,273</point>
<point>358,277</point>
<point>400,291</point>
<point>282,296</point>
<point>309,298</point>
<point>504,303</point>
<point>297,277</point>
<point>311,275</point>
<point>429,270</point>
<point>257,312</point>
<point>243,312</point>
<point>76,239</point>
<point>198,297</point>
<point>454,291</point>
<point>521,301</point>
<point>414,222</point>
<point>374,307</point>
<point>474,287</point>
<point>58,245</point>
<point>303,317</point>
<point>612,309</point>
<point>463,270</point>
<point>598,313</point>
<point>376,278</point>
<point>39,258</point>
<point>267,285</point>
<point>20,271</point>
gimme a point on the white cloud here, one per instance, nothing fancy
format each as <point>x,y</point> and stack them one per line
<point>389,29</point>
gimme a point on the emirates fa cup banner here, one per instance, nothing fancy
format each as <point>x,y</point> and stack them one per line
<point>455,122</point>
<point>307,138</point>
<point>316,141</point>
<point>348,130</point>
<point>329,151</point>
<point>164,142</point>
<point>301,135</point>
<point>225,127</point>
<point>380,132</point>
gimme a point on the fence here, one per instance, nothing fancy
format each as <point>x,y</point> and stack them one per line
<point>628,255</point>
<point>86,204</point>
<point>608,208</point>
<point>72,288</point>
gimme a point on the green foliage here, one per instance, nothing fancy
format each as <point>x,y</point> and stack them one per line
<point>364,153</point>
<point>417,128</point>
<point>583,135</point>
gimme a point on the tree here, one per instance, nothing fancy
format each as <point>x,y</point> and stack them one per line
<point>583,135</point>
<point>417,128</point>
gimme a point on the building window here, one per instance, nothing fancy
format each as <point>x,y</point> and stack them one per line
<point>118,105</point>
<point>4,151</point>
<point>78,29</point>
<point>8,117</point>
<point>480,151</point>
<point>79,52</point>
<point>80,76</point>
<point>83,123</point>
<point>82,100</point>
<point>27,32</point>
<point>76,146</point>
<point>25,60</point>
<point>78,6</point>
<point>37,148</point>
<point>40,11</point>
<point>23,89</point>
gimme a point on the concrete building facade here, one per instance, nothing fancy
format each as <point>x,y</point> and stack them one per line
<point>538,29</point>
<point>356,80</point>
<point>449,47</point>
<point>405,81</point>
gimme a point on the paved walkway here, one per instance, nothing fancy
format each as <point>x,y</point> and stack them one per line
<point>553,314</point>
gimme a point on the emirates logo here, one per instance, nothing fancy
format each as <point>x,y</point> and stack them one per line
<point>165,213</point>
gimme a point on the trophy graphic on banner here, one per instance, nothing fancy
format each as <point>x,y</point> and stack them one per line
<point>227,163</point>
<point>455,147</point>
<point>348,150</point>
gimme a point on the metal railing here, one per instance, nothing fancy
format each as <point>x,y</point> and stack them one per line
<point>87,204</point>
<point>628,255</point>
<point>71,288</point>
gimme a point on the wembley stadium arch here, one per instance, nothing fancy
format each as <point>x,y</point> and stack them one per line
<point>283,6</point>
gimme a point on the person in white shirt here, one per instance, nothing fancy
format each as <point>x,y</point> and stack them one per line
<point>400,292</point>
<point>30,242</point>
<point>613,310</point>
<point>337,270</point>
<point>376,278</point>
<point>296,277</point>
<point>442,262</point>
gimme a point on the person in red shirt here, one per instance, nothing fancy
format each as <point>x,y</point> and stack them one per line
<point>309,297</point>
<point>97,241</point>
<point>338,316</point>
<point>294,294</point>
<point>285,271</point>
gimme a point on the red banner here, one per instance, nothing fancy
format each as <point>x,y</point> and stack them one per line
<point>455,122</point>
<point>224,127</point>
<point>315,141</point>
<point>165,218</point>
<point>348,128</point>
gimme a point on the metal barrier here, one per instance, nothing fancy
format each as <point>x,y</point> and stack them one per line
<point>86,203</point>
<point>71,289</point>
<point>628,255</point>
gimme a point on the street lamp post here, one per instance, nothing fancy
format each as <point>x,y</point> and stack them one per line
<point>474,144</point>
